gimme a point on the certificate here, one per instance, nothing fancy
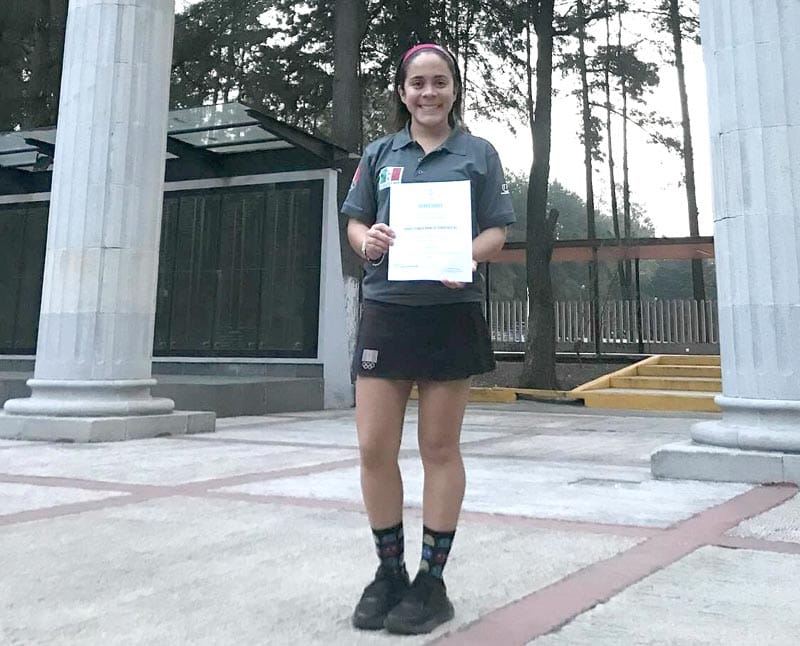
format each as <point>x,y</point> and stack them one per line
<point>432,222</point>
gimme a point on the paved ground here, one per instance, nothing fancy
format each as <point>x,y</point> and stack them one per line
<point>255,535</point>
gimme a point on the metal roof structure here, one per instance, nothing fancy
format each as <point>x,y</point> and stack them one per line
<point>211,140</point>
<point>611,249</point>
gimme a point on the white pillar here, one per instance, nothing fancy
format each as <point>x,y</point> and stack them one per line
<point>94,352</point>
<point>752,49</point>
<point>334,329</point>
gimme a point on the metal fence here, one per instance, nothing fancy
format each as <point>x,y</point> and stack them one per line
<point>647,326</point>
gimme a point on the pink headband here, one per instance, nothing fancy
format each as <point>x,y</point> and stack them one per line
<point>421,46</point>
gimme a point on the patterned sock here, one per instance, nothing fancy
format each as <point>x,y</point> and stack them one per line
<point>435,549</point>
<point>389,545</point>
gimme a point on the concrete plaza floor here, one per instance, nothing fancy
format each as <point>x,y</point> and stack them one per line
<point>256,534</point>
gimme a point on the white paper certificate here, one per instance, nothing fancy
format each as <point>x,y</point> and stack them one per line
<point>432,222</point>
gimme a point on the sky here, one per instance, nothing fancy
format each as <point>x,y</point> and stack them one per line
<point>656,175</point>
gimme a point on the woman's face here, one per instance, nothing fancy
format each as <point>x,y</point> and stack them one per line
<point>428,91</point>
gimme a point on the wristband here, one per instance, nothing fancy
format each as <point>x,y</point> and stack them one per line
<point>364,253</point>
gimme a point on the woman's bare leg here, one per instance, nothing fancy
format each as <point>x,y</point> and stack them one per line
<point>441,413</point>
<point>380,408</point>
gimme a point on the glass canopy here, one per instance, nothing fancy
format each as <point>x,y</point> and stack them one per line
<point>205,132</point>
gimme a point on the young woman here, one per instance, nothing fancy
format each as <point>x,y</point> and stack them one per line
<point>428,332</point>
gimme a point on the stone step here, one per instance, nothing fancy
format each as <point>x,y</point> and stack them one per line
<point>704,384</point>
<point>650,399</point>
<point>669,370</point>
<point>690,360</point>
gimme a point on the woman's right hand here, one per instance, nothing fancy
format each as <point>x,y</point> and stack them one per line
<point>379,238</point>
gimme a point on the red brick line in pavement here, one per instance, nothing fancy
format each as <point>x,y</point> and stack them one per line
<point>465,443</point>
<point>506,520</point>
<point>70,509</point>
<point>554,606</point>
<point>143,492</point>
<point>261,442</point>
<point>176,489</point>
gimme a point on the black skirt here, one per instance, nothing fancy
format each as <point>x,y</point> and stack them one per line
<point>422,343</point>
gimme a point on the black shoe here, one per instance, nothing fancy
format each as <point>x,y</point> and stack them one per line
<point>423,608</point>
<point>379,597</point>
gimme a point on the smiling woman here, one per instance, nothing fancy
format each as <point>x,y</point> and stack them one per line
<point>428,332</point>
<point>429,92</point>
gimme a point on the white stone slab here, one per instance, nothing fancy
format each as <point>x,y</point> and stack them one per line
<point>715,463</point>
<point>590,446</point>
<point>15,498</point>
<point>711,597</point>
<point>567,491</point>
<point>209,572</point>
<point>779,524</point>
<point>160,461</point>
<point>103,429</point>
<point>340,433</point>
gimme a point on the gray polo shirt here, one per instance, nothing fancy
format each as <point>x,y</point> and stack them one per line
<point>398,159</point>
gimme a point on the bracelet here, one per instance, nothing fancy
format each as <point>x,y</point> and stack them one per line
<point>376,261</point>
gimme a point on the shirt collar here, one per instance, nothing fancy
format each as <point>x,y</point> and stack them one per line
<point>456,143</point>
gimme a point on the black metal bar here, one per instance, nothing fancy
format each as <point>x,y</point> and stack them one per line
<point>639,309</point>
<point>326,151</point>
<point>244,142</point>
<point>44,147</point>
<point>190,153</point>
<point>221,126</point>
<point>594,273</point>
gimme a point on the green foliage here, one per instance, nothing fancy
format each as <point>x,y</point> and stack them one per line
<point>263,51</point>
<point>572,214</point>
<point>279,53</point>
<point>31,48</point>
<point>662,279</point>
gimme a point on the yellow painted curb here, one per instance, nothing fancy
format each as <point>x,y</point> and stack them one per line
<point>665,402</point>
<point>604,381</point>
<point>482,394</point>
<point>501,395</point>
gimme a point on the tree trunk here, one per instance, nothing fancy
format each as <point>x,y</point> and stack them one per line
<point>611,170</point>
<point>626,182</point>
<point>594,279</point>
<point>539,369</point>
<point>698,283</point>
<point>346,123</point>
<point>626,186</point>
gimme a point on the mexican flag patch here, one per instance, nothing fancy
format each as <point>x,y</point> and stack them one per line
<point>389,175</point>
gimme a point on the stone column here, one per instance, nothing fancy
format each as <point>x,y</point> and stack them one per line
<point>752,49</point>
<point>92,377</point>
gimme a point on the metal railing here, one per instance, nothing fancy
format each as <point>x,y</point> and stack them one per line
<point>646,326</point>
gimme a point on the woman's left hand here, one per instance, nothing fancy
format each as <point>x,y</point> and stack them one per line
<point>454,284</point>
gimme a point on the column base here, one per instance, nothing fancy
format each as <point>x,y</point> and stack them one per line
<point>104,429</point>
<point>90,398</point>
<point>753,424</point>
<point>692,461</point>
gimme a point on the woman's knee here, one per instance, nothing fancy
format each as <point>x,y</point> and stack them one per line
<point>436,451</point>
<point>377,454</point>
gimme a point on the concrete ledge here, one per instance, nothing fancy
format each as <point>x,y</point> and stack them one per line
<point>104,429</point>
<point>691,461</point>
<point>226,395</point>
